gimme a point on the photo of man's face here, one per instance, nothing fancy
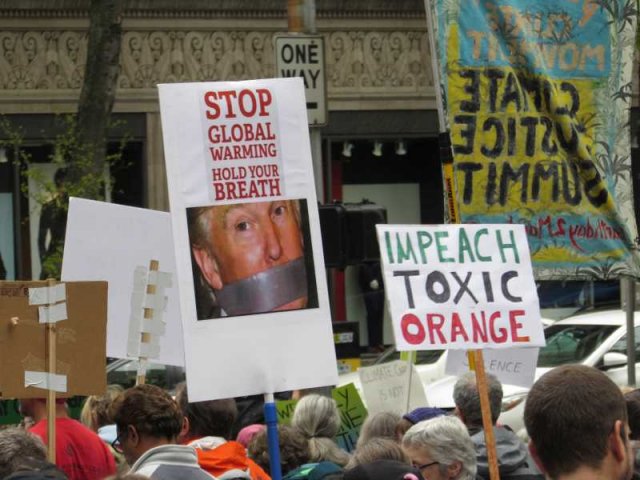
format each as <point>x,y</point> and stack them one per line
<point>251,255</point>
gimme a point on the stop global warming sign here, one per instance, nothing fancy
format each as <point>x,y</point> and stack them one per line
<point>460,286</point>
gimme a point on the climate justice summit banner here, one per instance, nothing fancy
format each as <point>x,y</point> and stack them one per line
<point>537,99</point>
<point>246,232</point>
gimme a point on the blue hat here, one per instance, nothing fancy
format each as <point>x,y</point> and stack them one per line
<point>423,413</point>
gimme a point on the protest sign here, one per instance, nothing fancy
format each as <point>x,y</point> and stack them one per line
<point>110,242</point>
<point>25,309</point>
<point>537,98</point>
<point>352,415</point>
<point>285,409</point>
<point>385,387</point>
<point>512,366</point>
<point>247,239</point>
<point>460,286</point>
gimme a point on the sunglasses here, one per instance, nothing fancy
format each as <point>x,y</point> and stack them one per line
<point>116,445</point>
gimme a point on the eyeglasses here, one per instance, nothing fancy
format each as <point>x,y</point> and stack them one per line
<point>116,444</point>
<point>426,465</point>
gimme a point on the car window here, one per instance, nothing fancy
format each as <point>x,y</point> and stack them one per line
<point>423,357</point>
<point>571,343</point>
<point>621,345</point>
<point>164,376</point>
<point>428,356</point>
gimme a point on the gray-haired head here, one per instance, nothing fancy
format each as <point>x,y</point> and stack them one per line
<point>16,447</point>
<point>379,425</point>
<point>446,441</point>
<point>467,399</point>
<point>377,448</point>
<point>318,419</point>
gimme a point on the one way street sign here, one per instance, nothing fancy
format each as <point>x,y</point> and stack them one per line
<point>303,56</point>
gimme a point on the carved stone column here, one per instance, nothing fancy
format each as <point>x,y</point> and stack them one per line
<point>157,193</point>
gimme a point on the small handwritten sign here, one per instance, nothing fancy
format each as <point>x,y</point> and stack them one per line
<point>386,387</point>
<point>352,414</point>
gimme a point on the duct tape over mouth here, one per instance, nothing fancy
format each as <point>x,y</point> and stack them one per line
<point>266,290</point>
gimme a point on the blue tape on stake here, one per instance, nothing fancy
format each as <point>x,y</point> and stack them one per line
<point>271,419</point>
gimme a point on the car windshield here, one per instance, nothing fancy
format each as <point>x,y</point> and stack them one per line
<point>571,343</point>
<point>423,357</point>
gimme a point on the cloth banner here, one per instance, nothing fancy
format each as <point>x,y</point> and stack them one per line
<point>537,100</point>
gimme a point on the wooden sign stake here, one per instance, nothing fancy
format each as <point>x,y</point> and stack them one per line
<point>154,265</point>
<point>50,355</point>
<point>476,363</point>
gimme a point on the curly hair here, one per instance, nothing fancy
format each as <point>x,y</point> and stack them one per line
<point>294,449</point>
<point>150,410</point>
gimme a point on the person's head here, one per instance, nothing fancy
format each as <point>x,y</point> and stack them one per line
<point>246,434</point>
<point>576,418</point>
<point>441,448</point>
<point>146,416</point>
<point>467,399</point>
<point>95,411</point>
<point>242,244</point>
<point>59,178</point>
<point>36,469</point>
<point>416,415</point>
<point>317,417</point>
<point>383,470</point>
<point>16,447</point>
<point>379,425</point>
<point>212,418</point>
<point>632,399</point>
<point>294,449</point>
<point>36,408</point>
<point>377,448</point>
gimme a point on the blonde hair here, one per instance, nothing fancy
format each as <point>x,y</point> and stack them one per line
<point>318,419</point>
<point>95,411</point>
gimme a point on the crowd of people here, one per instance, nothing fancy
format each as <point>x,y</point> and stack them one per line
<point>581,426</point>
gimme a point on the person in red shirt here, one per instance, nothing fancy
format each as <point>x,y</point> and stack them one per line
<point>207,428</point>
<point>80,453</point>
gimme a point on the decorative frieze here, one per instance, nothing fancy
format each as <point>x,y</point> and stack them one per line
<point>364,63</point>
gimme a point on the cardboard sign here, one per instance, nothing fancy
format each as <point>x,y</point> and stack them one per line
<point>109,242</point>
<point>247,238</point>
<point>385,387</point>
<point>352,414</point>
<point>80,346</point>
<point>460,286</point>
<point>512,366</point>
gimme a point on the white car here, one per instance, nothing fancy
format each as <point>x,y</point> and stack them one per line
<point>597,339</point>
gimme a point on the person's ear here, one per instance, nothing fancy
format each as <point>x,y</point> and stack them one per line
<point>536,458</point>
<point>184,431</point>
<point>458,413</point>
<point>618,441</point>
<point>132,436</point>
<point>453,470</point>
<point>208,267</point>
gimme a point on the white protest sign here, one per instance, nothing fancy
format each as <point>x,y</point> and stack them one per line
<point>385,387</point>
<point>253,291</point>
<point>109,242</point>
<point>512,366</point>
<point>460,286</point>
